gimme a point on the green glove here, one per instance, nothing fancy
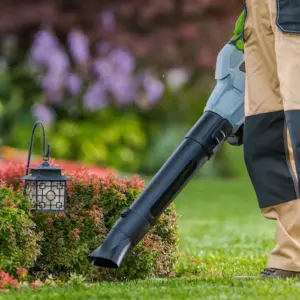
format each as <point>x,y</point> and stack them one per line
<point>237,38</point>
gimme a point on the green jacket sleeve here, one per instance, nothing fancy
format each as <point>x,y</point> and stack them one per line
<point>237,37</point>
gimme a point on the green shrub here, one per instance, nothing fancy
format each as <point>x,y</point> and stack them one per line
<point>18,239</point>
<point>69,237</point>
<point>155,255</point>
<point>93,206</point>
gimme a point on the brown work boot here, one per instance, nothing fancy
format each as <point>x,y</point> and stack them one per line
<point>272,274</point>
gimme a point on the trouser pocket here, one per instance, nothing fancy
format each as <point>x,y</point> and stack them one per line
<point>288,16</point>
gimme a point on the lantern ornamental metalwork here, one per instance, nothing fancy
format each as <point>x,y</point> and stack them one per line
<point>45,186</point>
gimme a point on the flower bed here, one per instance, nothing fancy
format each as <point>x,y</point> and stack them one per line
<point>15,156</point>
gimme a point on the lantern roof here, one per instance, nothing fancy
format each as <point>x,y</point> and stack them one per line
<point>45,172</point>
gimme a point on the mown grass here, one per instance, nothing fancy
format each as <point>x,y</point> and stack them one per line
<point>172,289</point>
<point>222,235</point>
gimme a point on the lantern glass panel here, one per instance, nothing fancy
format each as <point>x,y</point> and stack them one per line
<point>30,190</point>
<point>47,195</point>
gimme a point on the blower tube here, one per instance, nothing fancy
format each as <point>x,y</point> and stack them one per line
<point>200,143</point>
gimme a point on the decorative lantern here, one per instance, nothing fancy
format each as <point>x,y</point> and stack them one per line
<point>45,186</point>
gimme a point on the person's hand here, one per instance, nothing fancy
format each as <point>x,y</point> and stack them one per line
<point>237,138</point>
<point>237,37</point>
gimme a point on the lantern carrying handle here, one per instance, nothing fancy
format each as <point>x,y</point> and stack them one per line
<point>46,149</point>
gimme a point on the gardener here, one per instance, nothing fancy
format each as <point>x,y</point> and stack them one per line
<point>268,31</point>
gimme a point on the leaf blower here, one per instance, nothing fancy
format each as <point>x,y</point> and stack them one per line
<point>222,120</point>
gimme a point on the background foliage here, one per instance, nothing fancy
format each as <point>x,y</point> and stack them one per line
<point>116,83</point>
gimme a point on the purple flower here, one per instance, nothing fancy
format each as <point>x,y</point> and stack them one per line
<point>43,113</point>
<point>107,19</point>
<point>47,53</point>
<point>57,68</point>
<point>103,68</point>
<point>79,46</point>
<point>58,62</point>
<point>153,88</point>
<point>177,77</point>
<point>123,87</point>
<point>43,46</point>
<point>122,60</point>
<point>52,83</point>
<point>96,97</point>
<point>74,84</point>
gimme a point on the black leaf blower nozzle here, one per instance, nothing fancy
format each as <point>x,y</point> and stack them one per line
<point>134,223</point>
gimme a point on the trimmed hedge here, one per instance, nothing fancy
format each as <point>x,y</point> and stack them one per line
<point>93,206</point>
<point>19,239</point>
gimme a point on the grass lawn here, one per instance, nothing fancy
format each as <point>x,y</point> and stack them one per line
<point>222,229</point>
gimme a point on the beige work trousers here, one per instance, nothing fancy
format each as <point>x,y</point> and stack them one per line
<point>272,124</point>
